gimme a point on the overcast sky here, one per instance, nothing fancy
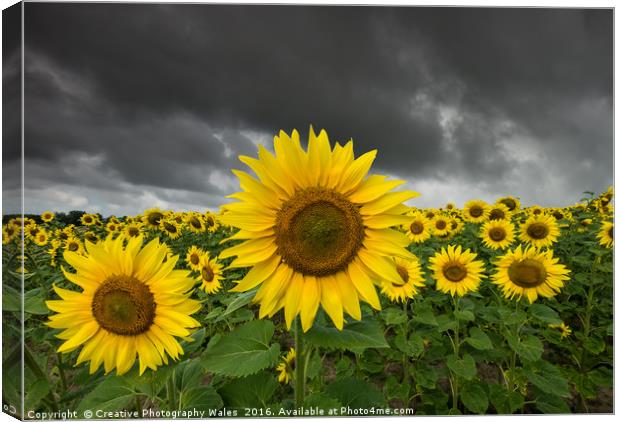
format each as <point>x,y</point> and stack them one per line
<point>134,106</point>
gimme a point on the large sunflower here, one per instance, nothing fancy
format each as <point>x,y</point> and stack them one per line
<point>497,234</point>
<point>131,303</point>
<point>411,273</point>
<point>456,271</point>
<point>606,235</point>
<point>539,230</point>
<point>316,229</point>
<point>530,273</point>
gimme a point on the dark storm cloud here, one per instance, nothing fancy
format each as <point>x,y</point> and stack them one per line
<point>164,96</point>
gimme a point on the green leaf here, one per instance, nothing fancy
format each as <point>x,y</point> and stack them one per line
<point>475,398</point>
<point>505,402</point>
<point>34,302</point>
<point>113,393</point>
<point>425,376</point>
<point>200,398</point>
<point>10,299</point>
<point>413,348</point>
<point>198,337</point>
<point>393,316</point>
<point>354,336</point>
<point>252,391</point>
<point>464,315</point>
<point>545,314</point>
<point>425,316</point>
<point>465,367</point>
<point>355,393</point>
<point>548,378</point>
<point>243,351</point>
<point>322,401</point>
<point>594,345</point>
<point>35,392</point>
<point>603,377</point>
<point>548,403</point>
<point>529,348</point>
<point>239,302</point>
<point>478,339</point>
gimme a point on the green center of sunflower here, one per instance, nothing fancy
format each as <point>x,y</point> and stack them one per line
<point>440,224</point>
<point>510,203</point>
<point>416,227</point>
<point>207,273</point>
<point>318,231</point>
<point>497,234</point>
<point>194,222</point>
<point>402,271</point>
<point>537,230</point>
<point>497,214</point>
<point>527,273</point>
<point>124,305</point>
<point>476,211</point>
<point>170,228</point>
<point>154,218</point>
<point>454,271</point>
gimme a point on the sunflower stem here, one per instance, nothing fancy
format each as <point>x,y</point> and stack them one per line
<point>300,367</point>
<point>405,357</point>
<point>170,391</point>
<point>455,381</point>
<point>63,378</point>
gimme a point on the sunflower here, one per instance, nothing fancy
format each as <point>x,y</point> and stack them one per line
<point>441,225</point>
<point>607,196</point>
<point>47,216</point>
<point>419,229</point>
<point>132,229</point>
<point>113,227</point>
<point>131,303</point>
<point>170,227</point>
<point>73,244</point>
<point>88,219</point>
<point>91,236</point>
<point>63,234</point>
<point>195,222</point>
<point>476,211</point>
<point>456,271</point>
<point>499,212</point>
<point>210,274</point>
<point>152,217</point>
<point>497,234</point>
<point>565,330</point>
<point>31,230</point>
<point>193,258</point>
<point>41,238</point>
<point>450,206</point>
<point>9,232</point>
<point>317,229</point>
<point>539,231</point>
<point>430,213</point>
<point>211,221</point>
<point>286,366</point>
<point>411,273</point>
<point>606,235</point>
<point>511,202</point>
<point>535,210</point>
<point>531,273</point>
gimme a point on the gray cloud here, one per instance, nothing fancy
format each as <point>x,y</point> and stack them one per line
<point>156,101</point>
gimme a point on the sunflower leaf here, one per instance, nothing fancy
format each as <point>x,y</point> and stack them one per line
<point>545,314</point>
<point>354,336</point>
<point>243,351</point>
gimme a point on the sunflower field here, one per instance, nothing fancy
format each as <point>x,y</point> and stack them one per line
<point>315,292</point>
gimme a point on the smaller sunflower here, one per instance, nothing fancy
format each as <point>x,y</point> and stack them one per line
<point>430,213</point>
<point>511,202</point>
<point>88,219</point>
<point>9,232</point>
<point>41,238</point>
<point>476,211</point>
<point>411,273</point>
<point>132,230</point>
<point>531,273</point>
<point>441,225</point>
<point>31,231</point>
<point>171,228</point>
<point>456,271</point>
<point>210,274</point>
<point>64,234</point>
<point>565,330</point>
<point>419,230</point>
<point>497,234</point>
<point>450,206</point>
<point>193,257</point>
<point>91,236</point>
<point>540,231</point>
<point>286,367</point>
<point>47,216</point>
<point>211,221</point>
<point>73,244</point>
<point>499,212</point>
<point>113,227</point>
<point>195,223</point>
<point>152,217</point>
<point>606,235</point>
<point>535,210</point>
